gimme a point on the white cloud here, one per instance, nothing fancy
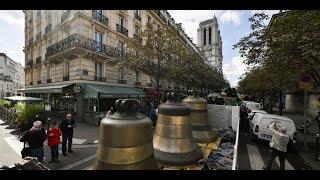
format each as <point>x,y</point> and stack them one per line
<point>234,70</point>
<point>12,17</point>
<point>231,16</point>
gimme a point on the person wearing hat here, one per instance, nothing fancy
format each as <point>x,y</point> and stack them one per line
<point>35,138</point>
<point>278,145</point>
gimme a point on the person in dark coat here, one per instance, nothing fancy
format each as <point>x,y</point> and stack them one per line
<point>153,116</point>
<point>35,138</point>
<point>66,127</point>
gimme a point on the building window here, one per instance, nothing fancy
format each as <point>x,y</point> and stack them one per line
<point>121,73</point>
<point>204,36</point>
<point>121,47</point>
<point>38,13</point>
<point>98,41</point>
<point>122,22</point>
<point>137,77</point>
<point>66,68</point>
<point>136,31</point>
<point>148,19</point>
<point>209,35</point>
<point>98,69</point>
<point>48,72</point>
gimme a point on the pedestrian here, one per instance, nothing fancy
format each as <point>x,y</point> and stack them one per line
<point>35,138</point>
<point>53,135</point>
<point>318,120</point>
<point>153,116</point>
<point>278,145</point>
<point>66,127</point>
<point>244,121</point>
<point>110,111</point>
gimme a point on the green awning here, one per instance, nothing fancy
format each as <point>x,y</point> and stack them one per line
<point>107,91</point>
<point>45,89</point>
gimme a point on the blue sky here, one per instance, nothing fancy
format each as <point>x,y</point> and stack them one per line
<point>233,25</point>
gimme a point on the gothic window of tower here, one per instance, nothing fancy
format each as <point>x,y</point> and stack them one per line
<point>210,34</point>
<point>204,36</point>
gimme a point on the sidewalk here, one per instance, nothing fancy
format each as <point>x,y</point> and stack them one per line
<point>306,154</point>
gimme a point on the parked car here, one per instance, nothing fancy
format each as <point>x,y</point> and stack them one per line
<point>260,122</point>
<point>253,112</point>
<point>252,105</point>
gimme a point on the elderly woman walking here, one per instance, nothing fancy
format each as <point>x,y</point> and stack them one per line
<point>35,138</point>
<point>278,145</point>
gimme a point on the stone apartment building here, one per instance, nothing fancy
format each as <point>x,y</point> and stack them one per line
<point>11,76</point>
<point>71,57</point>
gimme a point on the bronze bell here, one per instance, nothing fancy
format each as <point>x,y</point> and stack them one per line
<point>201,129</point>
<point>173,141</point>
<point>125,140</point>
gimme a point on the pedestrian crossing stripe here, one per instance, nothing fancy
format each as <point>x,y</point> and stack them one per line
<point>256,161</point>
<point>255,158</point>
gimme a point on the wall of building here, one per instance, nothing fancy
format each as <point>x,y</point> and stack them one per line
<point>294,103</point>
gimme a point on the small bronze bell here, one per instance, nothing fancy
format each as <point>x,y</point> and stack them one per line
<point>173,141</point>
<point>125,140</point>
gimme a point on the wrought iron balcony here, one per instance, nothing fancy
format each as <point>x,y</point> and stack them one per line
<point>48,80</point>
<point>78,41</point>
<point>102,79</point>
<point>65,15</point>
<point>137,17</point>
<point>48,28</point>
<point>38,36</point>
<point>99,17</point>
<point>122,81</point>
<point>38,60</point>
<point>122,30</point>
<point>158,12</point>
<point>65,78</point>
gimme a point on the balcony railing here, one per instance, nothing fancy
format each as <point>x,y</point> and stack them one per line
<point>65,78</point>
<point>48,80</point>
<point>65,15</point>
<point>137,16</point>
<point>101,78</point>
<point>48,28</point>
<point>160,15</point>
<point>122,30</point>
<point>99,17</point>
<point>38,60</point>
<point>77,40</point>
<point>122,81</point>
<point>38,36</point>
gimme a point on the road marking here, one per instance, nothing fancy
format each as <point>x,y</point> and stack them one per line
<point>288,166</point>
<point>14,143</point>
<point>255,158</point>
<point>70,166</point>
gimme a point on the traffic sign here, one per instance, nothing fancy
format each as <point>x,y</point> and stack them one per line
<point>306,86</point>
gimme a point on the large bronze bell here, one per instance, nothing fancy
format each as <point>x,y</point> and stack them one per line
<point>125,140</point>
<point>173,141</point>
<point>201,129</point>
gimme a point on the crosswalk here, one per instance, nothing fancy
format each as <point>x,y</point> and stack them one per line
<point>258,161</point>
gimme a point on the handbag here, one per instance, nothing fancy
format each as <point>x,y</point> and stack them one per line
<point>26,151</point>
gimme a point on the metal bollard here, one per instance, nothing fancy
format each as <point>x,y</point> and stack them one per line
<point>317,148</point>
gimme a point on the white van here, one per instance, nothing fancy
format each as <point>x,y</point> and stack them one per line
<point>253,112</point>
<point>260,122</point>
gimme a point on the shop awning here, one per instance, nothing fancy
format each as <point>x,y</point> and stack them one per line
<point>45,89</point>
<point>107,91</point>
<point>23,98</point>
